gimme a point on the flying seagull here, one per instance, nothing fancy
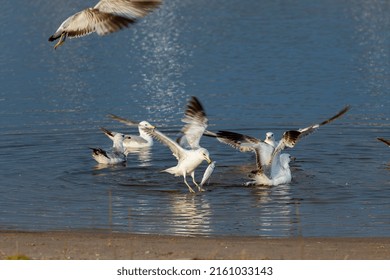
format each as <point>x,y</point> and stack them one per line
<point>143,140</point>
<point>115,156</point>
<point>387,142</point>
<point>188,159</point>
<point>106,17</point>
<point>270,162</point>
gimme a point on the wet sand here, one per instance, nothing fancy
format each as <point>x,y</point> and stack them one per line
<point>100,245</point>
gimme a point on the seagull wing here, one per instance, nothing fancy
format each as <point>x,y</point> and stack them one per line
<point>259,162</point>
<point>387,142</point>
<point>242,142</point>
<point>127,8</point>
<point>196,122</point>
<point>99,151</point>
<point>291,137</point>
<point>123,120</point>
<point>92,20</point>
<point>338,115</point>
<point>106,17</point>
<point>110,134</point>
<point>177,151</point>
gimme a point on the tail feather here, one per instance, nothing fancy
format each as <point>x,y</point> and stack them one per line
<point>171,170</point>
<point>107,132</point>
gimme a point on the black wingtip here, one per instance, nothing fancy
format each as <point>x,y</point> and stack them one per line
<point>53,38</point>
<point>99,151</point>
<point>339,114</point>
<point>387,142</point>
<point>95,150</point>
<point>230,135</point>
<point>291,137</point>
<point>106,131</point>
<point>194,105</point>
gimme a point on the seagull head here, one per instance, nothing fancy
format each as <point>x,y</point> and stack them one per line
<point>145,124</point>
<point>285,159</point>
<point>118,141</point>
<point>269,138</point>
<point>205,154</point>
<point>119,137</point>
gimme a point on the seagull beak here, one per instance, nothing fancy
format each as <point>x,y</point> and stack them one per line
<point>209,161</point>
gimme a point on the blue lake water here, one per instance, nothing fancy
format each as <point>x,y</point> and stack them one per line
<point>257,66</point>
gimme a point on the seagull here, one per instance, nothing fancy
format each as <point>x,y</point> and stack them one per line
<point>280,173</point>
<point>115,156</point>
<point>268,152</point>
<point>106,17</point>
<point>387,142</point>
<point>245,143</point>
<point>188,159</point>
<point>143,140</point>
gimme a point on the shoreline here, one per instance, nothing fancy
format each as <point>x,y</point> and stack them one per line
<point>88,245</point>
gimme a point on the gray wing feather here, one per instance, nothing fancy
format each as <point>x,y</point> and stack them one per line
<point>177,151</point>
<point>123,120</point>
<point>236,140</point>
<point>92,20</point>
<point>196,122</point>
<point>291,137</point>
<point>128,8</point>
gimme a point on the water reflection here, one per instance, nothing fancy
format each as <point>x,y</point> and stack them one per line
<point>144,155</point>
<point>371,28</point>
<point>279,211</point>
<point>192,215</point>
<point>163,62</point>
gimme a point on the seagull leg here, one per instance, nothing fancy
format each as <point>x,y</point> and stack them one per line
<point>61,41</point>
<point>193,180</point>
<point>189,188</point>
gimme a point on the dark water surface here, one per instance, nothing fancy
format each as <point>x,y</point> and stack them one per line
<point>257,66</point>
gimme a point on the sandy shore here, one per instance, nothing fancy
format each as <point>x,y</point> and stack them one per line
<point>98,245</point>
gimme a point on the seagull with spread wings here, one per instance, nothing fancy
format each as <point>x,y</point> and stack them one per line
<point>115,156</point>
<point>106,17</point>
<point>272,166</point>
<point>188,159</point>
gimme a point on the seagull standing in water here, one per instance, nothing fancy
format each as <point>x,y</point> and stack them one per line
<point>115,156</point>
<point>143,140</point>
<point>106,17</point>
<point>188,159</point>
<point>272,166</point>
